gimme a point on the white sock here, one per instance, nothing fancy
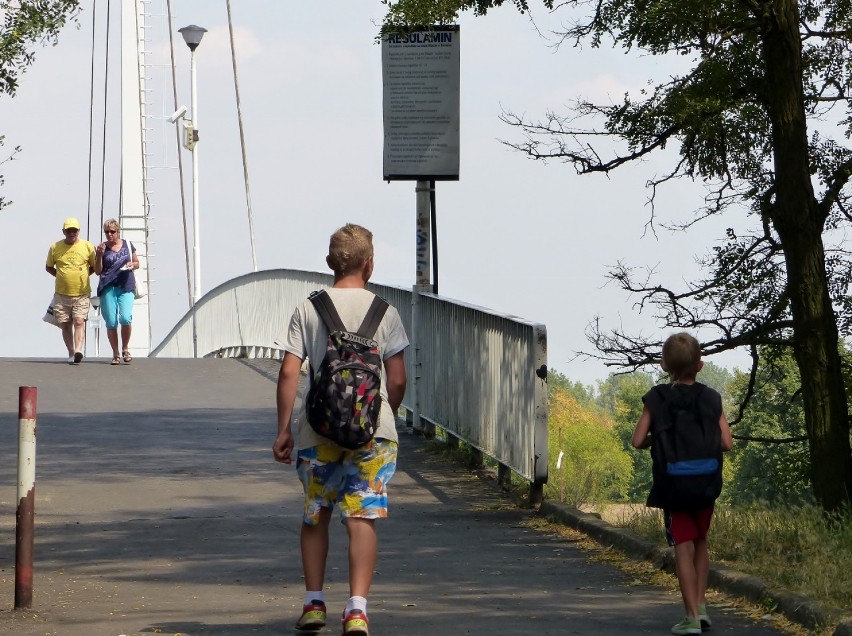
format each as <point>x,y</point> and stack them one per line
<point>356,602</point>
<point>314,596</point>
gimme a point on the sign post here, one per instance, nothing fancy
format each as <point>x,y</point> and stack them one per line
<point>420,79</point>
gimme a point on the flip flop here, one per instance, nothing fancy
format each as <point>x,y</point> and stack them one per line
<point>127,357</point>
<point>116,360</point>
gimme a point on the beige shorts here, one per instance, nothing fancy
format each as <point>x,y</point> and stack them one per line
<point>66,307</point>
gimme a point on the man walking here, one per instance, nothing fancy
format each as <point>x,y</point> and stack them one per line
<point>353,480</point>
<point>71,261</point>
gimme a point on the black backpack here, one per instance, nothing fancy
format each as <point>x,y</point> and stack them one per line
<point>344,399</point>
<point>686,450</point>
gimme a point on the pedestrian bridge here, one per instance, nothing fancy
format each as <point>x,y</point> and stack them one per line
<point>478,375</point>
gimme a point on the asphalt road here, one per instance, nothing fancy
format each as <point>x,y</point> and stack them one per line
<point>159,509</point>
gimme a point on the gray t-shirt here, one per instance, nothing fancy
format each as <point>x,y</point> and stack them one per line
<point>307,336</point>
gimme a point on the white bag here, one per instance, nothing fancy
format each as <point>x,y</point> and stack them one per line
<point>49,317</point>
<point>138,291</point>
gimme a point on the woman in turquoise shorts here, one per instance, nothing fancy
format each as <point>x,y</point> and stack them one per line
<point>115,261</point>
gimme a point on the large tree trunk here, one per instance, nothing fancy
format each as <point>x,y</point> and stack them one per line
<point>799,222</point>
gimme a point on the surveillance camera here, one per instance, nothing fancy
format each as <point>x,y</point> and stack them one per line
<point>180,112</point>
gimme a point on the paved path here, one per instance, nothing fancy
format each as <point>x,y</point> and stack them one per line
<point>159,509</point>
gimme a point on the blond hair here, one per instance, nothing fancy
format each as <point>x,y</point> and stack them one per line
<point>112,224</point>
<point>681,355</point>
<point>349,248</point>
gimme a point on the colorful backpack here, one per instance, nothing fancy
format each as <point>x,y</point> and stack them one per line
<point>344,399</point>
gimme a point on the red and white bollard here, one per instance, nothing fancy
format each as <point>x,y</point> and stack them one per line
<point>26,496</point>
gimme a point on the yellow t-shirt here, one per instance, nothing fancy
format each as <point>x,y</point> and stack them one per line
<point>72,266</point>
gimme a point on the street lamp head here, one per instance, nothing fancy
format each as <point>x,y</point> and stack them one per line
<point>192,35</point>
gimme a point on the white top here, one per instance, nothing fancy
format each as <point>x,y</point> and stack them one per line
<point>307,336</point>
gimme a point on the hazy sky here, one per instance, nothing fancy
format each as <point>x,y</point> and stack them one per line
<point>517,236</point>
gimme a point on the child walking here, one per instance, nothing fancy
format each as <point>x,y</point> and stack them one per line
<point>687,516</point>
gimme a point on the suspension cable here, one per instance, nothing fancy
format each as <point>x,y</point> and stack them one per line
<point>104,133</point>
<point>91,120</point>
<point>242,137</point>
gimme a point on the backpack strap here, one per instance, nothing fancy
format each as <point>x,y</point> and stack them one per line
<point>373,318</point>
<point>327,311</point>
<point>658,402</point>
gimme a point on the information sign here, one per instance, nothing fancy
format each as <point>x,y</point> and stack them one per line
<point>420,77</point>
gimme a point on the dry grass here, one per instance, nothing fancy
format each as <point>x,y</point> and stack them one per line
<point>797,549</point>
<point>646,573</point>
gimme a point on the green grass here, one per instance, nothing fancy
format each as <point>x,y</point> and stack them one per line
<point>798,549</point>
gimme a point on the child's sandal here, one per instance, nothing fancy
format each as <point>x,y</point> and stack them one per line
<point>116,360</point>
<point>127,357</point>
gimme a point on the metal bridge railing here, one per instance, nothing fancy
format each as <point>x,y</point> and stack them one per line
<point>482,377</point>
<point>477,374</point>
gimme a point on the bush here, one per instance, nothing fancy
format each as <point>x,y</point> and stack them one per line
<point>593,468</point>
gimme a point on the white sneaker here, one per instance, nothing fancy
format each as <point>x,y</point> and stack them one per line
<point>70,359</point>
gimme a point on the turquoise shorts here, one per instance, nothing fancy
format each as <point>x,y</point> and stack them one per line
<point>356,480</point>
<point>116,306</point>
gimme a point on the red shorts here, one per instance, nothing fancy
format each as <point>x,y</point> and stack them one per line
<point>687,525</point>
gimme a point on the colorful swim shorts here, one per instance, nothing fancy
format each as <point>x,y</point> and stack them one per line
<point>355,479</point>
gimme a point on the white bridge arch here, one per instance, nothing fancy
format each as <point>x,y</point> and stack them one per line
<point>479,375</point>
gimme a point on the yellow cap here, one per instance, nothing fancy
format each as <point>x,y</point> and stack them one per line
<point>70,223</point>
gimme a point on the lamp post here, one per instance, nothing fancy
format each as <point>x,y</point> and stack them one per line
<point>192,35</point>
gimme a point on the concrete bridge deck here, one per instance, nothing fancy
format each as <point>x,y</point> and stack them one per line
<point>159,509</point>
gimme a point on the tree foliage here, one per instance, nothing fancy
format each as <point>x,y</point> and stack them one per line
<point>3,201</point>
<point>621,395</point>
<point>771,461</point>
<point>557,382</point>
<point>718,378</point>
<point>587,464</point>
<point>418,13</point>
<point>26,24</point>
<point>762,118</point>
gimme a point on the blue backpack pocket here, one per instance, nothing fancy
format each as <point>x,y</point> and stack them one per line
<point>693,467</point>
